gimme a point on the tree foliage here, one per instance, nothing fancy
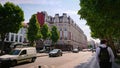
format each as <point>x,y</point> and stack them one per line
<point>45,32</point>
<point>102,16</point>
<point>54,34</point>
<point>33,29</point>
<point>11,17</point>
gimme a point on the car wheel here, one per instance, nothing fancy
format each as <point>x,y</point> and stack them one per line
<point>13,63</point>
<point>33,59</point>
<point>50,56</point>
<point>61,54</point>
<point>58,55</point>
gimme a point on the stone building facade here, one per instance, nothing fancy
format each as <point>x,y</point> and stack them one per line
<point>71,36</point>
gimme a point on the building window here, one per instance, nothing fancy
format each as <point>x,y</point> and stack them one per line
<point>7,37</point>
<point>50,19</point>
<point>60,29</point>
<point>65,38</point>
<point>61,35</point>
<point>65,29</point>
<point>65,35</point>
<point>12,37</point>
<point>61,20</point>
<point>25,40</point>
<point>16,39</point>
<point>20,39</point>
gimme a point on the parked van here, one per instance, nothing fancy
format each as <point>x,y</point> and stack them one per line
<point>19,55</point>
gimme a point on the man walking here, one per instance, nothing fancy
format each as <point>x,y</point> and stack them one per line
<point>104,55</point>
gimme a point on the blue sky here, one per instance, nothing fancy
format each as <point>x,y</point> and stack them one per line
<point>52,7</point>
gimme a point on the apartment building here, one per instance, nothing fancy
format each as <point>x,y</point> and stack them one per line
<point>71,36</point>
<point>19,37</point>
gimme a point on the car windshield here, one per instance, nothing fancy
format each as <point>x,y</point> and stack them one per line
<point>15,52</point>
<point>55,50</point>
<point>75,49</point>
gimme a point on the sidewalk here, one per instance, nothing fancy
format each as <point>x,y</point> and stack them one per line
<point>92,63</point>
<point>115,65</point>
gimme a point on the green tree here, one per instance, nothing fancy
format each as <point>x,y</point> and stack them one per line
<point>45,32</point>
<point>33,30</point>
<point>103,18</point>
<point>54,34</point>
<point>11,17</point>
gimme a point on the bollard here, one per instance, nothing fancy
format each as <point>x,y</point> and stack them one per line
<point>39,66</point>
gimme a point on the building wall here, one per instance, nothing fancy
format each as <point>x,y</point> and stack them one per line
<point>13,37</point>
<point>19,37</point>
<point>70,33</point>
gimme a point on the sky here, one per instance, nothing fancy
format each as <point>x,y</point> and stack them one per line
<point>52,7</point>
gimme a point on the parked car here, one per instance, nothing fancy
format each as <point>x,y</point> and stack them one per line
<point>75,50</point>
<point>42,51</point>
<point>55,52</point>
<point>93,49</point>
<point>19,55</point>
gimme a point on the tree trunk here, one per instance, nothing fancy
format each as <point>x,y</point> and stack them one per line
<point>31,43</point>
<point>43,44</point>
<point>2,40</point>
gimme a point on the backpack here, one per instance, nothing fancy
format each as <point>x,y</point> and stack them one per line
<point>104,55</point>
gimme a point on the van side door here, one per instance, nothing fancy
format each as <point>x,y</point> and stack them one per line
<point>22,56</point>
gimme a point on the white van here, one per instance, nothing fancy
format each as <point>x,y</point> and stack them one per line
<point>18,55</point>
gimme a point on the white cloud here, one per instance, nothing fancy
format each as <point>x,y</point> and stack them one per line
<point>49,2</point>
<point>71,12</point>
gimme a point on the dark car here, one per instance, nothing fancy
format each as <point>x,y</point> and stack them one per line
<point>75,50</point>
<point>55,53</point>
<point>42,51</point>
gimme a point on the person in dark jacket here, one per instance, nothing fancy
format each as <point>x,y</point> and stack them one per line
<point>104,64</point>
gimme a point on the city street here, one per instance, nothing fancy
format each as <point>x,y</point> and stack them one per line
<point>68,60</point>
<point>76,31</point>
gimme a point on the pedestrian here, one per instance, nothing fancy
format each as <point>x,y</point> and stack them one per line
<point>104,55</point>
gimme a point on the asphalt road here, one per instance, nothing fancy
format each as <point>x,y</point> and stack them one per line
<point>68,60</point>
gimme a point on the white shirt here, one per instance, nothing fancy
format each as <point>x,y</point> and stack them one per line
<point>109,51</point>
